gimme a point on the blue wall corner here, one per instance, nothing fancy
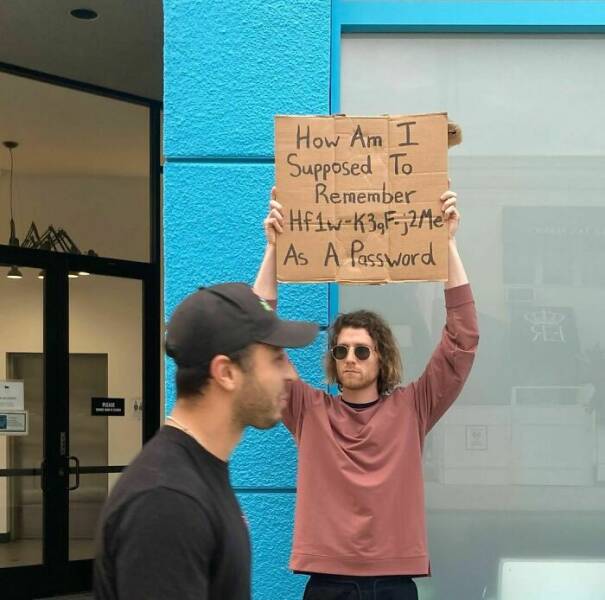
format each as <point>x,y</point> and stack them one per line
<point>270,518</point>
<point>231,66</point>
<point>213,216</point>
<point>228,69</point>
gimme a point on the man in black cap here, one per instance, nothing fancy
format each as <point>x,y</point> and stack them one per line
<point>172,527</point>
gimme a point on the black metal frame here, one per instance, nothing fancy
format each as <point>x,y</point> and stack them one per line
<point>58,574</point>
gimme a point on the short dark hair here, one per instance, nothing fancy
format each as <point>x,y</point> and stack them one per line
<point>191,381</point>
<point>390,370</point>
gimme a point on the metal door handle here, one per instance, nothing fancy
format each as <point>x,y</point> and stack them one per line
<point>43,475</point>
<point>77,472</point>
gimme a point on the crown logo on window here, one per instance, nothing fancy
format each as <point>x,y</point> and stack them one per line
<point>546,325</point>
<point>544,317</point>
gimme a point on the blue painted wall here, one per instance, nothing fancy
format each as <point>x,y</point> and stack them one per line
<point>229,68</point>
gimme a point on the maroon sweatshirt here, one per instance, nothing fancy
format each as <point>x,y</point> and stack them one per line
<point>360,499</point>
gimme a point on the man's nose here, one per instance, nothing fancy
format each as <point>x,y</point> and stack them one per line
<point>290,372</point>
<point>351,355</point>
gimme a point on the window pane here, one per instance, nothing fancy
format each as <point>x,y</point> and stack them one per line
<point>516,468</point>
<point>106,363</point>
<point>21,452</point>
<point>81,166</point>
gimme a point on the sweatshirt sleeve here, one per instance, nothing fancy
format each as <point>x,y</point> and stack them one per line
<point>299,400</point>
<point>451,362</point>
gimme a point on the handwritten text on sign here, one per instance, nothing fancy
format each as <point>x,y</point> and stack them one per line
<point>361,198</point>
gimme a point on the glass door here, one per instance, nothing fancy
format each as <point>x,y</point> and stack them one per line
<point>79,318</point>
<point>76,404</point>
<point>105,396</point>
<point>23,491</point>
<point>21,418</point>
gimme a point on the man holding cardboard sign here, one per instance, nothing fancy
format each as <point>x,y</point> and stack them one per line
<point>360,523</point>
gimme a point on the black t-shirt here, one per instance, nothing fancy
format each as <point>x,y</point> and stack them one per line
<point>172,528</point>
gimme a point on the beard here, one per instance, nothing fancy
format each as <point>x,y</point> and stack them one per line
<point>352,381</point>
<point>256,406</point>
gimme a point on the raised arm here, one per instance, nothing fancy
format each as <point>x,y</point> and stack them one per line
<point>450,365</point>
<point>265,285</point>
<point>456,273</point>
<point>451,362</point>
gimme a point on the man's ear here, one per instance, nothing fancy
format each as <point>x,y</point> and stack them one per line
<point>225,373</point>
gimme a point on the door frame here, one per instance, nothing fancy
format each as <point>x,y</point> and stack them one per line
<point>57,574</point>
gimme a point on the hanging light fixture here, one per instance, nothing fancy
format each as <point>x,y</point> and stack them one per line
<point>13,241</point>
<point>57,240</point>
<point>13,272</point>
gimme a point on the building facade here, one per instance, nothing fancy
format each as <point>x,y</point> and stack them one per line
<point>514,474</point>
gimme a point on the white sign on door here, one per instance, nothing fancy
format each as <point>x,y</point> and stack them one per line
<point>11,395</point>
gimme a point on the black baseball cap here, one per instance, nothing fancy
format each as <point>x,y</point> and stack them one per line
<point>225,318</point>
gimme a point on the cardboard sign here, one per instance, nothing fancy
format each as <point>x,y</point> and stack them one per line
<point>361,198</point>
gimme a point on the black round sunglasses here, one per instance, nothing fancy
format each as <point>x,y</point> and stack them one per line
<point>341,351</point>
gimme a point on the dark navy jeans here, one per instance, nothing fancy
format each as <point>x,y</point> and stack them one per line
<point>343,587</point>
